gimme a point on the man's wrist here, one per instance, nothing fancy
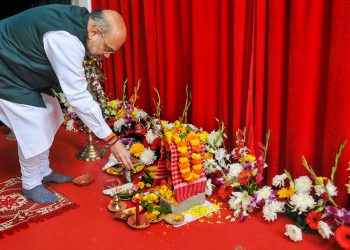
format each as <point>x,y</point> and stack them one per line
<point>111,139</point>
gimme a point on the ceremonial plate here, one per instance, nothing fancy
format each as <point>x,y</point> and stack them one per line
<point>118,170</point>
<point>155,219</point>
<point>174,218</point>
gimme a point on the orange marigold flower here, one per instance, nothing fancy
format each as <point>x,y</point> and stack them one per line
<point>196,162</point>
<point>198,171</point>
<point>186,175</point>
<point>185,170</point>
<point>182,144</point>
<point>184,165</point>
<point>197,148</point>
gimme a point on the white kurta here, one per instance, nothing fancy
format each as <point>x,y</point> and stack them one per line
<point>36,127</point>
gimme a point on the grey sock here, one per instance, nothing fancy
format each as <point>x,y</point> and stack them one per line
<point>40,194</point>
<point>56,177</point>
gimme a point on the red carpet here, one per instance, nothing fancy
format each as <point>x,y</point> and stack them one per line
<point>91,226</point>
<point>16,210</point>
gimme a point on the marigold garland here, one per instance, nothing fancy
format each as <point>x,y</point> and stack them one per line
<point>190,166</point>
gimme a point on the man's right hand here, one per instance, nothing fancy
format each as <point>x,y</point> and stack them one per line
<point>121,154</point>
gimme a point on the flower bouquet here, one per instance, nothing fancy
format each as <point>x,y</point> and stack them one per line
<point>308,201</point>
<point>238,175</point>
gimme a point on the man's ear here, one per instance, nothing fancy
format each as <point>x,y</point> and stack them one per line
<point>93,31</point>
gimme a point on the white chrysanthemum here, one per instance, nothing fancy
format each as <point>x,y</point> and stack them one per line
<point>278,180</point>
<point>271,209</point>
<point>208,188</point>
<point>210,166</point>
<point>240,200</point>
<point>215,139</point>
<point>332,190</point>
<point>69,126</point>
<point>141,115</point>
<point>302,202</point>
<point>303,184</point>
<point>148,156</point>
<point>118,124</point>
<point>264,193</point>
<point>234,171</point>
<point>324,230</point>
<point>150,137</point>
<point>235,200</point>
<point>319,190</point>
<point>294,233</point>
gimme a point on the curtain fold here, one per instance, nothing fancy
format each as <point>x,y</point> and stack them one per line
<point>275,65</point>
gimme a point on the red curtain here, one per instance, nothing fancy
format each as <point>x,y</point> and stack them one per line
<point>273,65</point>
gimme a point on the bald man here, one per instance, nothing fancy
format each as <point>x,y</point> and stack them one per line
<point>45,47</point>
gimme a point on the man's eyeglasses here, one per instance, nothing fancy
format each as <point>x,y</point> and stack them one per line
<point>107,48</point>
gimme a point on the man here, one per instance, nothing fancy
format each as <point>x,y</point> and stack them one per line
<point>40,48</point>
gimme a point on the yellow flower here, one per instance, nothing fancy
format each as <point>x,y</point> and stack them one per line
<point>163,189</point>
<point>319,180</point>
<point>208,155</point>
<point>134,112</point>
<point>168,136</point>
<point>141,185</point>
<point>196,156</point>
<point>183,159</point>
<point>168,194</point>
<point>286,192</point>
<point>121,113</point>
<point>153,196</point>
<point>196,176</point>
<point>177,123</point>
<point>190,176</point>
<point>203,136</point>
<point>136,149</point>
<point>113,104</point>
<point>155,212</point>
<point>194,142</point>
<point>182,149</point>
<point>185,170</point>
<point>197,167</point>
<point>248,157</point>
<point>176,138</point>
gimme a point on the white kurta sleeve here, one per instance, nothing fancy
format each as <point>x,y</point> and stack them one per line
<point>66,55</point>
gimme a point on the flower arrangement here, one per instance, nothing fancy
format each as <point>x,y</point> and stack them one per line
<point>308,201</point>
<point>188,140</point>
<point>238,175</point>
<point>166,191</point>
<point>135,128</point>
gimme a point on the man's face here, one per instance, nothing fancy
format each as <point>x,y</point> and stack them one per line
<point>101,44</point>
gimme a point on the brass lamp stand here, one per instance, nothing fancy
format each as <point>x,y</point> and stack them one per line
<point>91,152</point>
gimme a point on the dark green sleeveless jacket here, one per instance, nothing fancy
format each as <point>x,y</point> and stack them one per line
<point>25,70</point>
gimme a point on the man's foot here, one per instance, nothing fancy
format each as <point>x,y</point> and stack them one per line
<point>40,194</point>
<point>56,177</point>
